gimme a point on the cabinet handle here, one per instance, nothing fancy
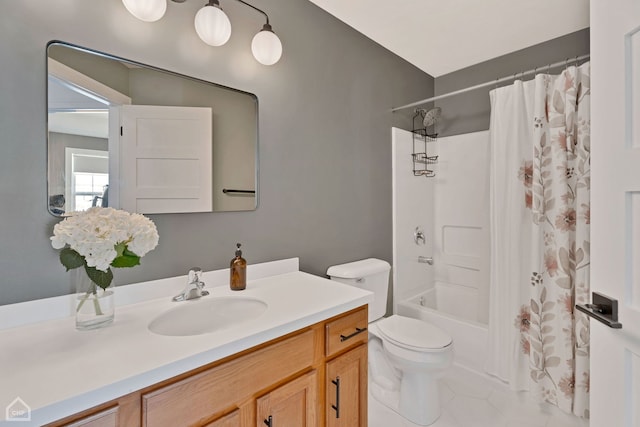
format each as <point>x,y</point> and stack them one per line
<point>346,337</point>
<point>269,421</point>
<point>336,407</point>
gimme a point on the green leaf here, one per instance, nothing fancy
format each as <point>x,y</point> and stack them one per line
<point>99,277</point>
<point>120,248</point>
<point>128,252</point>
<point>71,259</point>
<point>126,260</point>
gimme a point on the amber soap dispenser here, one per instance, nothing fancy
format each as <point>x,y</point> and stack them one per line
<point>238,270</point>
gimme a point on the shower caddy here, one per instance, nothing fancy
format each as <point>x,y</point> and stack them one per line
<point>421,160</point>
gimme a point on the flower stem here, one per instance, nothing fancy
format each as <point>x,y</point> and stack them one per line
<point>82,301</point>
<point>96,302</point>
<point>96,306</point>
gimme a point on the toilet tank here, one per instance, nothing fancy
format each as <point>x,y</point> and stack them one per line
<point>371,274</point>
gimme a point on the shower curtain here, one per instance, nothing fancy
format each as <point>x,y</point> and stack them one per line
<point>540,215</point>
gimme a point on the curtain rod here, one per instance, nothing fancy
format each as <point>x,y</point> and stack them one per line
<point>493,82</point>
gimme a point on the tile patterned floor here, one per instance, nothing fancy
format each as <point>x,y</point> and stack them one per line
<point>470,400</point>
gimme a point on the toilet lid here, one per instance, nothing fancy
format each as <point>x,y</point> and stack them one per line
<point>413,333</point>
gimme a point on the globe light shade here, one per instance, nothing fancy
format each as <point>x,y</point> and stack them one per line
<point>266,46</point>
<point>213,25</point>
<point>146,10</point>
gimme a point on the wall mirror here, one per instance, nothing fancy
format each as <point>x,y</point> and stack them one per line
<point>139,138</point>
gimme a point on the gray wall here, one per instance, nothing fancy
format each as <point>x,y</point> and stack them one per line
<point>470,112</point>
<point>325,151</point>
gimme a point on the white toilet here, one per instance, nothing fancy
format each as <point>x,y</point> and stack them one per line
<point>406,356</point>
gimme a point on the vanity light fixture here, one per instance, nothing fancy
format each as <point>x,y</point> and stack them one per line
<point>213,26</point>
<point>146,10</point>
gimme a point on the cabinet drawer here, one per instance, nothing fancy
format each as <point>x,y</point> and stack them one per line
<point>197,398</point>
<point>346,331</point>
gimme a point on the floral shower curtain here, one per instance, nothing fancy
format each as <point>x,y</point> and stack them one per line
<point>540,216</point>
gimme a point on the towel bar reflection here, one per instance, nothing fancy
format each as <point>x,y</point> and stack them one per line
<point>230,191</point>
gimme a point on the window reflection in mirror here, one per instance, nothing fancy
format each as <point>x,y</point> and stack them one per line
<point>135,137</point>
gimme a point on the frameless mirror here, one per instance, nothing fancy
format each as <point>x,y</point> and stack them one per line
<point>135,137</point>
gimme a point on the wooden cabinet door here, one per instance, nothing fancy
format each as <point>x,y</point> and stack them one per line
<point>290,405</point>
<point>229,420</point>
<point>346,388</point>
<point>106,418</point>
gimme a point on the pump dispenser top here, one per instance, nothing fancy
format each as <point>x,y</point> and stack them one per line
<point>238,271</point>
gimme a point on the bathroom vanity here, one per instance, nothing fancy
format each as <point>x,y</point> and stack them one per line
<point>302,362</point>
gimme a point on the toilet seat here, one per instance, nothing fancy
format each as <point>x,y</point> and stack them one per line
<point>413,334</point>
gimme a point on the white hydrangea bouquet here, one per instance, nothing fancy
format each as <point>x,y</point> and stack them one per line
<point>100,238</point>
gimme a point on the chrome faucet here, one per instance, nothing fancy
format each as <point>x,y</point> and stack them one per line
<point>194,288</point>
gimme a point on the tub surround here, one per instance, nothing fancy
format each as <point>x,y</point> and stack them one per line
<point>462,242</point>
<point>59,371</point>
<point>454,290</point>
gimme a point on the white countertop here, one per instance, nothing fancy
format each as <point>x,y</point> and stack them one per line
<point>58,371</point>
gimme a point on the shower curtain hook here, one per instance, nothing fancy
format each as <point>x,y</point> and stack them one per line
<point>566,63</point>
<point>549,68</point>
<point>577,61</point>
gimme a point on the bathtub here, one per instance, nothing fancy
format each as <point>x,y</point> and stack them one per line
<point>453,308</point>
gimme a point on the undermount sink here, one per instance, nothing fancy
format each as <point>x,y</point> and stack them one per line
<point>205,315</point>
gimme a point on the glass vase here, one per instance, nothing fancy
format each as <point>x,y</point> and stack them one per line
<point>95,307</point>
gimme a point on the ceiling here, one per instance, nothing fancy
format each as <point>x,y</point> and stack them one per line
<point>70,111</point>
<point>443,36</point>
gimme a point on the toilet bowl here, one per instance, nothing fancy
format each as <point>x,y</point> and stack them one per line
<point>420,353</point>
<point>406,356</point>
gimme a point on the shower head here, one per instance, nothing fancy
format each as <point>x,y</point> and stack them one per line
<point>431,116</point>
